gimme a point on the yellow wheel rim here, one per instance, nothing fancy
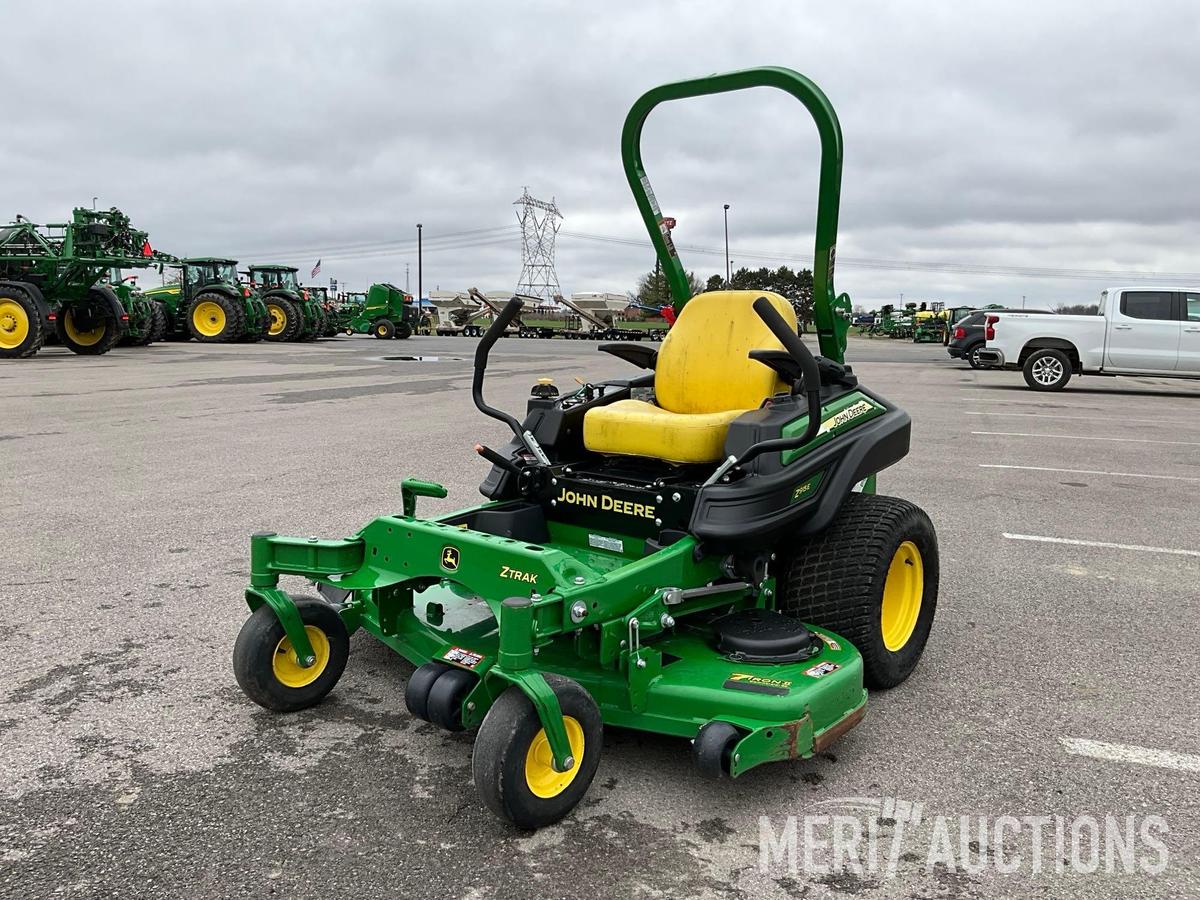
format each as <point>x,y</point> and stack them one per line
<point>539,761</point>
<point>902,594</point>
<point>14,324</point>
<point>287,667</point>
<point>278,319</point>
<point>79,336</point>
<point>208,318</point>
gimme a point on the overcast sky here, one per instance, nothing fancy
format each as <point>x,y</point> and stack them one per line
<point>1048,135</point>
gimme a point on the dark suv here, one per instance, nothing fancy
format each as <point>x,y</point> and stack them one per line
<point>966,335</point>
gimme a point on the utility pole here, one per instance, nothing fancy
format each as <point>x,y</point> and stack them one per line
<point>419,272</point>
<point>728,276</point>
<point>406,290</point>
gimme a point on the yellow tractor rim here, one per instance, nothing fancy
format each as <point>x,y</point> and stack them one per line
<point>287,667</point>
<point>543,781</point>
<point>208,318</point>
<point>902,592</point>
<point>14,324</point>
<point>79,336</point>
<point>278,318</point>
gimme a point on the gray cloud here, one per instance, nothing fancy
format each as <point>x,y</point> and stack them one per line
<point>1032,135</point>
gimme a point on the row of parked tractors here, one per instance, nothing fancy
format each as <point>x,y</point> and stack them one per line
<point>925,323</point>
<point>74,283</point>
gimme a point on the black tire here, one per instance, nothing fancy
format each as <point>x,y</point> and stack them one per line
<point>505,738</point>
<point>312,322</point>
<point>262,640</point>
<point>89,329</point>
<point>284,311</point>
<point>836,580</point>
<point>214,318</point>
<point>971,354</point>
<point>416,692</point>
<point>158,322</point>
<point>1047,370</point>
<point>446,698</point>
<point>712,750</point>
<point>403,331</point>
<point>22,330</point>
<point>383,329</point>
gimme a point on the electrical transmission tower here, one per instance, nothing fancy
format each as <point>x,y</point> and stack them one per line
<point>539,222</point>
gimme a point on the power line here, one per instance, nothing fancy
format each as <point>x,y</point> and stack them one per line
<point>960,268</point>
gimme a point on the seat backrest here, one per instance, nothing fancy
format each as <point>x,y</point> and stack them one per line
<point>704,364</point>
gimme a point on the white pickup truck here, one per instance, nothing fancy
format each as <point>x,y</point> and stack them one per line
<point>1138,331</point>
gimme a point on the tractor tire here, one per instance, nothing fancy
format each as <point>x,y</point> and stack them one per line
<point>94,341</point>
<point>871,577</point>
<point>22,331</point>
<point>158,323</point>
<point>213,318</point>
<point>284,320</point>
<point>403,331</point>
<point>511,761</point>
<point>1047,370</point>
<point>266,667</point>
<point>383,329</point>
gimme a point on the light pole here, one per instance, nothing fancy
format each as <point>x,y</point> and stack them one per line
<point>727,275</point>
<point>419,271</point>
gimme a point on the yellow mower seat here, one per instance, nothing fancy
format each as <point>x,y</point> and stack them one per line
<point>704,380</point>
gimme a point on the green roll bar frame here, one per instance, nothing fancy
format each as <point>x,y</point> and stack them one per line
<point>831,312</point>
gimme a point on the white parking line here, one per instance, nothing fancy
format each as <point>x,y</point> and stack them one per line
<point>1084,437</point>
<point>1130,753</point>
<point>1041,539</point>
<point>1115,420</point>
<point>1087,472</point>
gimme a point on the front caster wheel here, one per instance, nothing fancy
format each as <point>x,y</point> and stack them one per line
<point>712,749</point>
<point>266,666</point>
<point>512,763</point>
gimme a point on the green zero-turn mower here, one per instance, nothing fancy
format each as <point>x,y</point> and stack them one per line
<point>712,563</point>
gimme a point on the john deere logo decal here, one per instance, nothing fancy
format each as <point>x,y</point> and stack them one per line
<point>450,559</point>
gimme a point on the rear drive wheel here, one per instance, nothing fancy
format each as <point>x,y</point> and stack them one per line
<point>21,328</point>
<point>512,763</point>
<point>1047,370</point>
<point>90,328</point>
<point>871,577</point>
<point>285,321</point>
<point>266,666</point>
<point>213,318</point>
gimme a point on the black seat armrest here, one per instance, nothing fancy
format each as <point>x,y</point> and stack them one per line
<point>781,361</point>
<point>640,355</point>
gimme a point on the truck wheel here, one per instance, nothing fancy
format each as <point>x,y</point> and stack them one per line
<point>383,329</point>
<point>871,577</point>
<point>21,328</point>
<point>265,664</point>
<point>213,318</point>
<point>89,330</point>
<point>972,355</point>
<point>285,323</point>
<point>1047,370</point>
<point>512,762</point>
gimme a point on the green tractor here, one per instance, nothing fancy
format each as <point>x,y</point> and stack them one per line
<point>387,312</point>
<point>713,565</point>
<point>52,282</point>
<point>329,310</point>
<point>295,315</point>
<point>349,307</point>
<point>147,319</point>
<point>209,304</point>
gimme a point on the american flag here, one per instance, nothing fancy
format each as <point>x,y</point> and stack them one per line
<point>316,270</point>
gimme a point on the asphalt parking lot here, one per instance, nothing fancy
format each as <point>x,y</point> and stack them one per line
<point>1060,679</point>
